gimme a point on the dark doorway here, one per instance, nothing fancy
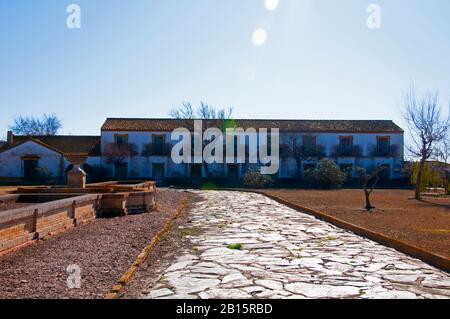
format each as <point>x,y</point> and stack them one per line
<point>121,171</point>
<point>29,167</point>
<point>196,171</point>
<point>233,172</point>
<point>158,173</point>
<point>385,174</point>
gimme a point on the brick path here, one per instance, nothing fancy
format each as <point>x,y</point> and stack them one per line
<point>286,254</point>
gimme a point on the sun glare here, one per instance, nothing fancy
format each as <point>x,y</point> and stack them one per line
<point>259,37</point>
<point>272,4</point>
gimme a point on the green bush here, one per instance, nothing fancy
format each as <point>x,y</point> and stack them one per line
<point>255,179</point>
<point>326,175</point>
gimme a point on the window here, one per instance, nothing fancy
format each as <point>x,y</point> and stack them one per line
<point>309,144</point>
<point>121,139</point>
<point>29,167</point>
<point>383,145</point>
<point>346,145</point>
<point>158,144</point>
<point>121,171</point>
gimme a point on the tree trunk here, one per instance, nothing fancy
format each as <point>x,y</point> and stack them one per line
<point>368,204</point>
<point>419,179</point>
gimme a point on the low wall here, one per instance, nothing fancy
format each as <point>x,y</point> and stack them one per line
<point>24,225</point>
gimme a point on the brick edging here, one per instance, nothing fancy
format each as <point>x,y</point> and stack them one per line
<point>438,261</point>
<point>129,274</point>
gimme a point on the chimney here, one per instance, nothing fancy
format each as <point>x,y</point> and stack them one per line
<point>10,138</point>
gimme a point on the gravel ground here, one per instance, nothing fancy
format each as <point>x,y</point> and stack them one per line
<point>103,249</point>
<point>398,215</point>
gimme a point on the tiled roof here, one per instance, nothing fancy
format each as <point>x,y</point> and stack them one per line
<point>64,144</point>
<point>301,126</point>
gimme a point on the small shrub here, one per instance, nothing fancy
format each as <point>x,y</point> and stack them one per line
<point>326,175</point>
<point>255,179</point>
<point>235,247</point>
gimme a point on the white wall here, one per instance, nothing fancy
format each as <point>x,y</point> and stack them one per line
<point>11,163</point>
<point>140,166</point>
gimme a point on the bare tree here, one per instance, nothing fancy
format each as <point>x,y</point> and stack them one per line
<point>428,129</point>
<point>442,152</point>
<point>204,111</point>
<point>47,125</point>
<point>369,181</point>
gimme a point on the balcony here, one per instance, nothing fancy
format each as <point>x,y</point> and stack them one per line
<point>347,151</point>
<point>302,151</point>
<point>156,150</point>
<point>118,153</point>
<point>384,151</point>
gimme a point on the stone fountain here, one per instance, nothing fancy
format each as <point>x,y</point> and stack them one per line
<point>76,177</point>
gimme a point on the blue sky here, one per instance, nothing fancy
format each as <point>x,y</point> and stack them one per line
<point>141,58</point>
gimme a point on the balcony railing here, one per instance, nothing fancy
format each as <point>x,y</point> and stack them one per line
<point>347,151</point>
<point>302,151</point>
<point>118,153</point>
<point>156,150</point>
<point>379,151</point>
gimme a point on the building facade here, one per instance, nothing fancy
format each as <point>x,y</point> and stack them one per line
<point>141,148</point>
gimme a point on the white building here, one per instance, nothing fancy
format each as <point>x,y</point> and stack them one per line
<point>21,155</point>
<point>140,148</point>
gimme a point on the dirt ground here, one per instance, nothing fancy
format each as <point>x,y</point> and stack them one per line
<point>103,249</point>
<point>423,224</point>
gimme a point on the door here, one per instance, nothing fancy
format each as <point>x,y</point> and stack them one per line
<point>158,173</point>
<point>29,168</point>
<point>233,172</point>
<point>121,171</point>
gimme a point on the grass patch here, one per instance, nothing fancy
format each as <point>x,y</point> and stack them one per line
<point>235,246</point>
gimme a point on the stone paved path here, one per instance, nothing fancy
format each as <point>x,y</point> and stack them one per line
<point>286,254</point>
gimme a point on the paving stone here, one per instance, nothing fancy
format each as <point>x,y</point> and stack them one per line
<point>270,284</point>
<point>392,294</point>
<point>180,265</point>
<point>161,293</point>
<point>323,291</point>
<point>225,294</point>
<point>191,285</point>
<point>233,277</point>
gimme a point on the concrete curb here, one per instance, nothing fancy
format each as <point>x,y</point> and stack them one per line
<point>129,274</point>
<point>435,260</point>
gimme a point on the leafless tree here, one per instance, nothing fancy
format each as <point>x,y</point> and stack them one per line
<point>442,152</point>
<point>47,125</point>
<point>369,181</point>
<point>204,111</point>
<point>428,129</point>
